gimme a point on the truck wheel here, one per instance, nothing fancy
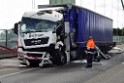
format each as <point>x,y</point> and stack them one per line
<point>31,63</point>
<point>58,57</point>
<point>63,58</point>
<point>34,63</point>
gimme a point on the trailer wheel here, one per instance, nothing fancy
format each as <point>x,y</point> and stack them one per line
<point>58,57</point>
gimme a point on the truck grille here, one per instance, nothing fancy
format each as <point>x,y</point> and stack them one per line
<point>36,55</point>
<point>43,49</point>
<point>39,41</point>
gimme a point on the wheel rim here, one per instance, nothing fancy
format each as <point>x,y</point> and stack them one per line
<point>62,59</point>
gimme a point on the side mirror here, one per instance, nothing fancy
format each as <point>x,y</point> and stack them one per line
<point>54,30</point>
<point>16,28</point>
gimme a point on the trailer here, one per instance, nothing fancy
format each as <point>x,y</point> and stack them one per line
<point>58,34</point>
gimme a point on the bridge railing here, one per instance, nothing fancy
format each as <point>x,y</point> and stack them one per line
<point>8,46</point>
<point>118,39</point>
<point>8,38</point>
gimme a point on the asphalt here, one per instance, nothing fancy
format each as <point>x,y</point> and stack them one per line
<point>105,71</point>
<point>114,74</point>
<point>74,72</point>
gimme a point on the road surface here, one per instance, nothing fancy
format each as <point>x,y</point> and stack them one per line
<point>12,72</point>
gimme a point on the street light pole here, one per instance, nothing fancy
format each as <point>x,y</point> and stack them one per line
<point>104,7</point>
<point>95,5</point>
<point>33,4</point>
<point>122,4</point>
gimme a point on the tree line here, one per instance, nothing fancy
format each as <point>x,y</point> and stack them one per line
<point>118,32</point>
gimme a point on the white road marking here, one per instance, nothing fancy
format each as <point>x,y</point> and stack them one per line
<point>16,73</point>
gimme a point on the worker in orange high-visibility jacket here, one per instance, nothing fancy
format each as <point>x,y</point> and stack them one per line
<point>90,51</point>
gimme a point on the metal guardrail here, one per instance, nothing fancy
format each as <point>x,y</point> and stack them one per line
<point>8,38</point>
<point>8,46</point>
<point>7,52</point>
<point>118,39</point>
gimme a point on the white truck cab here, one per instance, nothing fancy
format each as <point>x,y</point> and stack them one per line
<point>39,37</point>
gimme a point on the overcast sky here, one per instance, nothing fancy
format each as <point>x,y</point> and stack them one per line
<point>110,8</point>
<point>12,10</point>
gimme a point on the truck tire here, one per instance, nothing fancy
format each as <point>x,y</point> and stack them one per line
<point>31,63</point>
<point>34,63</point>
<point>58,57</point>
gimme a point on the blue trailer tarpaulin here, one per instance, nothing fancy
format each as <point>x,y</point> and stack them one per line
<point>88,23</point>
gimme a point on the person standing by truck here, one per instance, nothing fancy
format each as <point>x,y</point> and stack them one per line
<point>90,51</point>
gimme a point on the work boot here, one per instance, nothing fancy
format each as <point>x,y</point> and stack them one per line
<point>88,66</point>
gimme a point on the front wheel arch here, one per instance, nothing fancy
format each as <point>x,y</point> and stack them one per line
<point>58,57</point>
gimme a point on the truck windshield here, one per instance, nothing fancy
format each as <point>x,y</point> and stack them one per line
<point>35,25</point>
